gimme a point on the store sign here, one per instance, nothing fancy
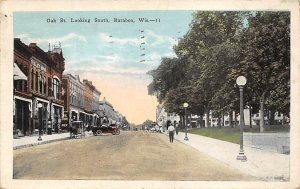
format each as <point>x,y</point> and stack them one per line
<point>64,125</point>
<point>65,121</point>
<point>39,66</point>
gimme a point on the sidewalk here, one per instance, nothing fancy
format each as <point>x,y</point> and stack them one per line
<point>262,164</point>
<point>28,141</point>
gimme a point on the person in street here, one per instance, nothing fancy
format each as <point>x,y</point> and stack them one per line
<point>171,132</point>
<point>156,128</point>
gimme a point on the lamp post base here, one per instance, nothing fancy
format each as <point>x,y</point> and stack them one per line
<point>40,138</point>
<point>242,157</point>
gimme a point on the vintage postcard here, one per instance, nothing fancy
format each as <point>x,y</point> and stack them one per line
<point>149,94</point>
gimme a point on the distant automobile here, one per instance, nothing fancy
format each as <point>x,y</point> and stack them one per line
<point>112,128</point>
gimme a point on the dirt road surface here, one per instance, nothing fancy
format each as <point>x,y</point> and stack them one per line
<point>128,156</point>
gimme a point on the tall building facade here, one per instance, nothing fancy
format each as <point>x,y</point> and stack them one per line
<point>108,111</point>
<point>91,100</point>
<point>22,94</point>
<point>95,105</point>
<point>73,98</point>
<point>38,101</point>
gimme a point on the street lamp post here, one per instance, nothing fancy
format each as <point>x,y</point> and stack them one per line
<point>50,98</point>
<point>185,105</point>
<point>39,106</point>
<point>241,82</point>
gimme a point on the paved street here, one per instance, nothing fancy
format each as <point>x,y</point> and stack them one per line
<point>131,155</point>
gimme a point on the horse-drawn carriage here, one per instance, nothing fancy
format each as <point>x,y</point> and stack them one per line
<point>77,129</point>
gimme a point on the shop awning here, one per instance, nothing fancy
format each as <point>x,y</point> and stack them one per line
<point>18,74</point>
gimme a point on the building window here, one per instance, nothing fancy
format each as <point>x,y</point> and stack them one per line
<point>45,86</point>
<point>36,81</point>
<point>25,86</point>
<point>32,80</point>
<point>55,88</point>
<point>41,84</point>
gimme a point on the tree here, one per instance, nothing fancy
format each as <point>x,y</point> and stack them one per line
<point>148,123</point>
<point>266,62</point>
<point>219,47</point>
<point>212,45</point>
<point>169,75</point>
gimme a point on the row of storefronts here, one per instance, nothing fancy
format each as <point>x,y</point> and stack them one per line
<point>48,101</point>
<point>81,102</point>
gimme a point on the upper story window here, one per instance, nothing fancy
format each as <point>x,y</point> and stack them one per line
<point>41,83</point>
<point>32,80</point>
<point>55,88</point>
<point>36,81</point>
<point>45,84</point>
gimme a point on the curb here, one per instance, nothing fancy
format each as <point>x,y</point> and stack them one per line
<point>39,143</point>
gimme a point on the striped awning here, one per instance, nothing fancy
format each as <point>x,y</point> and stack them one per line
<point>18,74</point>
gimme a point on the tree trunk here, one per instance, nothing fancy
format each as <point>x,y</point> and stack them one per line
<point>262,116</point>
<point>235,119</point>
<point>207,119</point>
<point>272,117</point>
<point>268,117</point>
<point>250,116</point>
<point>219,121</point>
<point>222,119</point>
<point>201,121</point>
<point>230,119</point>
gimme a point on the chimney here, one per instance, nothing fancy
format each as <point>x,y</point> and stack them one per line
<point>32,45</point>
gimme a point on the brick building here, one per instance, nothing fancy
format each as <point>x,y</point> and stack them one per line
<point>22,95</point>
<point>89,89</point>
<point>37,99</point>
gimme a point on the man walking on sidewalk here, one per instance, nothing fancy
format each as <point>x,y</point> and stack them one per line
<point>171,132</point>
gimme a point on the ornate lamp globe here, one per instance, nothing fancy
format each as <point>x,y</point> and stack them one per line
<point>241,81</point>
<point>185,105</point>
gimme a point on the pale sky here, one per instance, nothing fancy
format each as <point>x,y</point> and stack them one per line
<point>115,56</point>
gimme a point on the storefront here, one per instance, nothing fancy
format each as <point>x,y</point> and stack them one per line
<point>47,116</point>
<point>57,117</point>
<point>22,116</point>
<point>40,115</point>
<point>82,116</point>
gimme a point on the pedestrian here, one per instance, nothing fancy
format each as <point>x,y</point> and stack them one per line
<point>171,132</point>
<point>156,128</point>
